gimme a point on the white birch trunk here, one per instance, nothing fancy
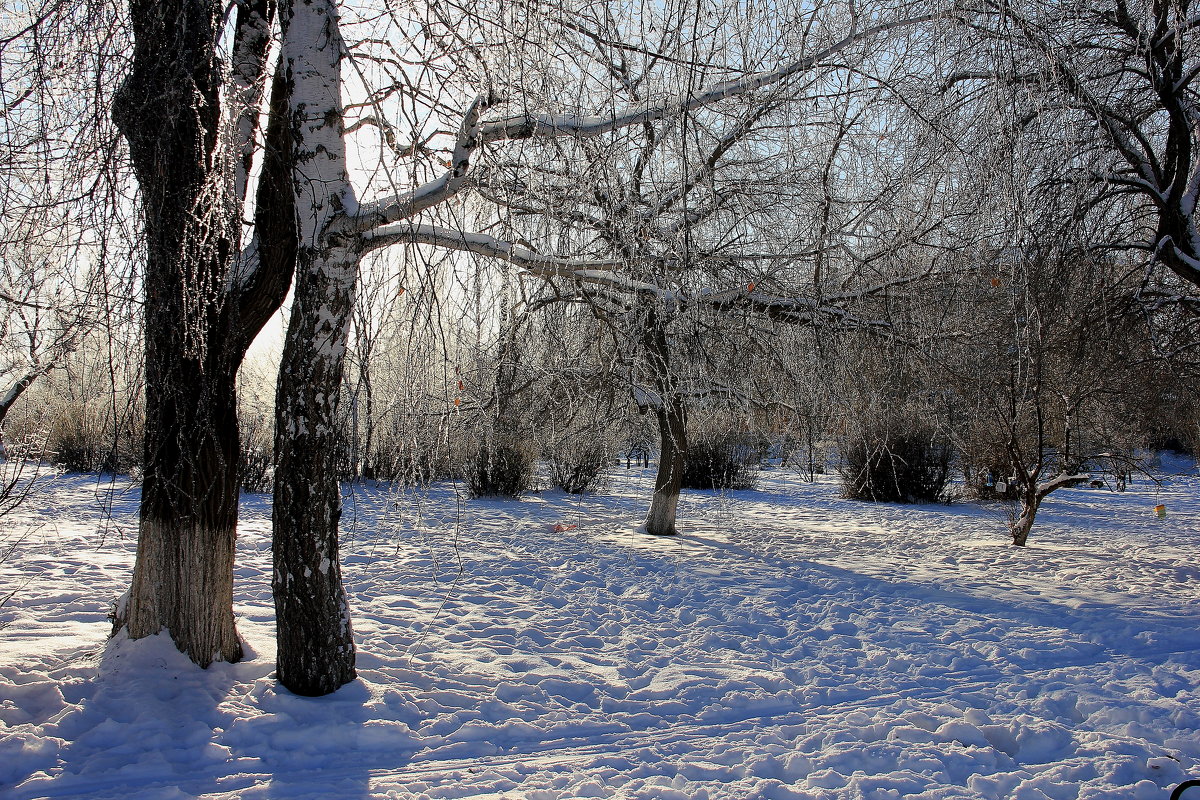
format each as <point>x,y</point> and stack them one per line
<point>315,641</point>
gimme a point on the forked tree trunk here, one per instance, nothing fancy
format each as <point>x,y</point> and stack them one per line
<point>199,321</point>
<point>672,426</point>
<point>315,643</point>
<point>1035,493</point>
<point>1023,524</point>
<point>169,111</point>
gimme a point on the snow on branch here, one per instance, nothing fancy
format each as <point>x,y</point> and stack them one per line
<point>601,273</point>
<point>790,310</point>
<point>442,188</point>
<point>1059,481</point>
<point>605,276</point>
<point>583,125</point>
<point>1184,264</point>
<point>473,133</point>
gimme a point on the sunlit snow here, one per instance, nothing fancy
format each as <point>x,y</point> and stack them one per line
<point>790,644</point>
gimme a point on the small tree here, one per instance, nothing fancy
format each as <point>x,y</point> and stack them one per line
<point>1045,374</point>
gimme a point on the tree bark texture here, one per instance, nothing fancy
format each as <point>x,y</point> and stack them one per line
<point>168,109</point>
<point>1024,521</point>
<point>197,330</point>
<point>315,644</point>
<point>672,429</point>
<point>314,640</point>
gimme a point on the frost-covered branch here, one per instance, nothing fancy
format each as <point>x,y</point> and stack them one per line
<point>582,125</point>
<point>600,273</point>
<point>1060,480</point>
<point>607,275</point>
<point>474,133</point>
<point>432,193</point>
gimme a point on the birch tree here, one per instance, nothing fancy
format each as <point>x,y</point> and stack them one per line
<point>336,229</point>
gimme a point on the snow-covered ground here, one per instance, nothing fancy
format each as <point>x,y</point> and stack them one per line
<point>789,645</point>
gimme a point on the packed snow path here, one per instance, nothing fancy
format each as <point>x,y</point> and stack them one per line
<point>789,645</point>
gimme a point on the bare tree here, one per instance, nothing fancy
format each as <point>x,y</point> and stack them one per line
<point>779,206</point>
<point>61,241</point>
<point>1048,346</point>
<point>1117,84</point>
<point>190,117</point>
<point>1051,374</point>
<point>60,190</point>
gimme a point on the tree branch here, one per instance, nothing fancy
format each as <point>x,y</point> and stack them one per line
<point>474,133</point>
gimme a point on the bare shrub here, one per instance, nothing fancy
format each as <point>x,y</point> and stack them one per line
<point>410,451</point>
<point>256,457</point>
<point>499,467</point>
<point>82,437</point>
<point>580,464</point>
<point>722,460</point>
<point>905,463</point>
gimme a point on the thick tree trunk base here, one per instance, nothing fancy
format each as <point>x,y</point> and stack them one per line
<point>1022,526</point>
<point>661,519</point>
<point>314,640</point>
<point>672,424</point>
<point>195,606</point>
<point>318,665</point>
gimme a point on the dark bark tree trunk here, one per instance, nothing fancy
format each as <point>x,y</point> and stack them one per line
<point>671,412</point>
<point>183,576</point>
<point>672,427</point>
<point>168,109</point>
<point>199,323</point>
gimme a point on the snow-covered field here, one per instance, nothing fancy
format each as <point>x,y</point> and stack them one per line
<point>789,645</point>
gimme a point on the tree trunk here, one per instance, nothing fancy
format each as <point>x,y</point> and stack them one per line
<point>169,111</point>
<point>198,322</point>
<point>314,640</point>
<point>183,576</point>
<point>1032,495</point>
<point>1035,493</point>
<point>671,412</point>
<point>315,644</point>
<point>10,399</point>
<point>672,426</point>
<point>1024,522</point>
